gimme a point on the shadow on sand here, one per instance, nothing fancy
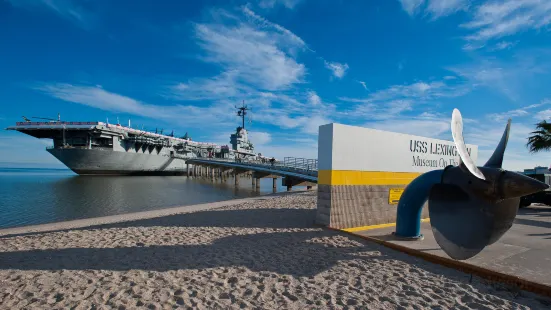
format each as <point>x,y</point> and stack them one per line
<point>291,253</point>
<point>248,218</point>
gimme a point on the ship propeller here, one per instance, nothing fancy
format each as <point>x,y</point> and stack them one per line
<point>471,207</point>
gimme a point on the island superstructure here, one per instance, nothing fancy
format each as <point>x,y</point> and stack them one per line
<point>90,148</point>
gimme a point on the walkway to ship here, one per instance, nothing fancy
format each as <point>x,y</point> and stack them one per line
<point>296,171</point>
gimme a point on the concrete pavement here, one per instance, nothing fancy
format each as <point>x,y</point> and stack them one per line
<point>524,251</point>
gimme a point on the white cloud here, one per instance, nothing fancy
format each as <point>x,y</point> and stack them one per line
<point>269,4</point>
<point>223,86</point>
<point>260,137</point>
<point>489,20</point>
<point>473,46</point>
<point>67,9</point>
<point>313,98</point>
<point>363,84</point>
<point>439,8</point>
<point>412,7</point>
<point>308,151</point>
<point>288,41</point>
<point>259,57</point>
<point>507,77</point>
<point>497,19</point>
<point>308,123</point>
<point>312,123</point>
<point>338,69</point>
<point>288,38</point>
<point>524,111</point>
<point>417,91</point>
<point>397,104</point>
<point>289,144</point>
<point>97,97</point>
<point>436,8</point>
<point>487,135</point>
<point>504,45</point>
<point>419,126</point>
<point>544,114</point>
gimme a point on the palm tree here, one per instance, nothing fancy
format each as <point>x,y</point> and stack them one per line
<point>540,140</point>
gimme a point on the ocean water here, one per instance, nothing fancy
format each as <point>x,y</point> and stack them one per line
<point>38,196</point>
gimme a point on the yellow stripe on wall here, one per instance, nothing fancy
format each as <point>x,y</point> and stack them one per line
<point>353,177</point>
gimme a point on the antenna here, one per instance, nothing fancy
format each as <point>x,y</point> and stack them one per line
<point>64,141</point>
<point>129,124</point>
<point>58,117</point>
<point>241,112</point>
<point>118,123</point>
<point>50,119</point>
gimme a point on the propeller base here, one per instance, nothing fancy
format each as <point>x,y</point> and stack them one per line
<point>420,237</point>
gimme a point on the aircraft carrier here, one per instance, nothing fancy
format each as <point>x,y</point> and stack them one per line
<point>98,148</point>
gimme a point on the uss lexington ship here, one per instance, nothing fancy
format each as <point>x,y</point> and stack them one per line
<point>91,148</point>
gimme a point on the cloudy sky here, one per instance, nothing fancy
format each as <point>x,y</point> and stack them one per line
<point>182,65</point>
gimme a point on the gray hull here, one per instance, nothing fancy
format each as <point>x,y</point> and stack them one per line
<point>106,162</point>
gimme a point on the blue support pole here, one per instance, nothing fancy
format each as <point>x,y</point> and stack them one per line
<point>410,206</point>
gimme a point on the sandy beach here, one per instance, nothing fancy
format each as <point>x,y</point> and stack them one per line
<point>260,254</point>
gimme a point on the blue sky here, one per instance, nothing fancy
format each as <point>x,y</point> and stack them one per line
<point>182,65</point>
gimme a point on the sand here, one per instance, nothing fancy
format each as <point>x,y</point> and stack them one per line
<point>259,254</point>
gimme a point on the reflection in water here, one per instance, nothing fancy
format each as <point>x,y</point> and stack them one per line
<point>37,196</point>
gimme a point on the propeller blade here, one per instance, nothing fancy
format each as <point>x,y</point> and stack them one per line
<point>503,213</point>
<point>458,223</point>
<point>457,134</point>
<point>496,160</point>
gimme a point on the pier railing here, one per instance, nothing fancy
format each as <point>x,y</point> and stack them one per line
<point>300,165</point>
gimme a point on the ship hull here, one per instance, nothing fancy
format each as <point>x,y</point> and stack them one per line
<point>107,162</point>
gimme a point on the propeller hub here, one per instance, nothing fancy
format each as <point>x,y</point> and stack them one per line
<point>498,184</point>
<point>515,185</point>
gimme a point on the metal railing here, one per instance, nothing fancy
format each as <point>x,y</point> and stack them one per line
<point>298,165</point>
<point>301,163</point>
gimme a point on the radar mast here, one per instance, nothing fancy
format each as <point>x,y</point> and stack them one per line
<point>241,112</point>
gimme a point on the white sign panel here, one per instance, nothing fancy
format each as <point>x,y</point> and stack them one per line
<point>365,149</point>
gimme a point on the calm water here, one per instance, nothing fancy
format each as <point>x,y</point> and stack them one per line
<point>37,196</point>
